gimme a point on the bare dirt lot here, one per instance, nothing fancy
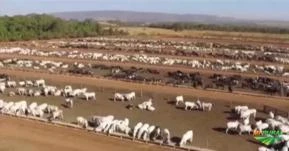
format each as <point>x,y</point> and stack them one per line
<point>25,135</point>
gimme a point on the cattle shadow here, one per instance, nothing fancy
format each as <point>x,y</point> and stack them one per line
<point>233,117</point>
<point>223,130</point>
<point>171,102</point>
<point>176,140</point>
<point>64,106</point>
<point>260,118</point>
<point>228,112</point>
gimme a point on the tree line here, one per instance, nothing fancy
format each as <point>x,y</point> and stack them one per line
<point>48,27</point>
<point>179,26</point>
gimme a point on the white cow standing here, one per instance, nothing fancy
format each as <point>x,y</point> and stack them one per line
<point>179,99</point>
<point>118,96</point>
<point>69,102</point>
<point>190,105</point>
<point>232,125</point>
<point>81,121</point>
<point>89,95</point>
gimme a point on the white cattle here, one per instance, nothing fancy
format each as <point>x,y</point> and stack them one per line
<point>179,99</point>
<point>2,88</point>
<point>37,93</point>
<point>39,83</point>
<point>22,83</point>
<point>57,114</point>
<point>246,121</point>
<point>143,130</point>
<point>166,136</point>
<point>11,84</point>
<point>245,128</point>
<point>7,107</point>
<point>43,107</point>
<point>32,106</point>
<point>78,92</point>
<point>261,126</point>
<point>207,106</point>
<point>69,102</point>
<point>89,95</point>
<point>37,112</point>
<point>30,92</point>
<point>129,96</point>
<point>28,83</point>
<point>67,90</point>
<point>187,137</point>
<point>247,113</point>
<point>262,148</point>
<point>273,123</point>
<point>51,108</point>
<point>232,125</point>
<point>81,121</point>
<point>271,114</point>
<point>11,93</point>
<point>58,93</point>
<point>190,105</point>
<point>21,91</point>
<point>282,119</point>
<point>239,108</point>
<point>118,96</point>
<point>2,103</point>
<point>136,129</point>
<point>284,128</point>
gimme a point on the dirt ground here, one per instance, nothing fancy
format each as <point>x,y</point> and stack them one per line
<point>208,126</point>
<point>25,135</point>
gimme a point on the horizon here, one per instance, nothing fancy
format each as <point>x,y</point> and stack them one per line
<point>249,10</point>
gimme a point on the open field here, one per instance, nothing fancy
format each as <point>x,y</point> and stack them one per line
<point>255,88</point>
<point>210,35</point>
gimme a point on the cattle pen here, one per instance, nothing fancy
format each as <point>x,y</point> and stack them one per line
<point>114,135</point>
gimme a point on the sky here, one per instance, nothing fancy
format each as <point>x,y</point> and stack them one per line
<point>244,9</point>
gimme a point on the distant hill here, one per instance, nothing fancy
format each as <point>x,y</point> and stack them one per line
<point>152,17</point>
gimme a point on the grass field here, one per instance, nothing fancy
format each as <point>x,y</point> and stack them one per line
<point>206,34</point>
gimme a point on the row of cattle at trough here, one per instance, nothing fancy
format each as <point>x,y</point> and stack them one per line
<point>145,131</point>
<point>195,79</point>
<point>243,124</point>
<point>240,52</point>
<point>211,64</point>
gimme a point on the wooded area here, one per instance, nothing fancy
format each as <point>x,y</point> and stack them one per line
<point>224,27</point>
<point>47,27</point>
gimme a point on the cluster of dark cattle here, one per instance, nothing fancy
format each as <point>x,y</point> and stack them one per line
<point>218,81</point>
<point>193,79</point>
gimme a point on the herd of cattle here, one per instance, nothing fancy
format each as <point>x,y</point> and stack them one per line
<point>195,79</point>
<point>106,124</point>
<point>211,64</point>
<point>182,48</point>
<point>243,124</point>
